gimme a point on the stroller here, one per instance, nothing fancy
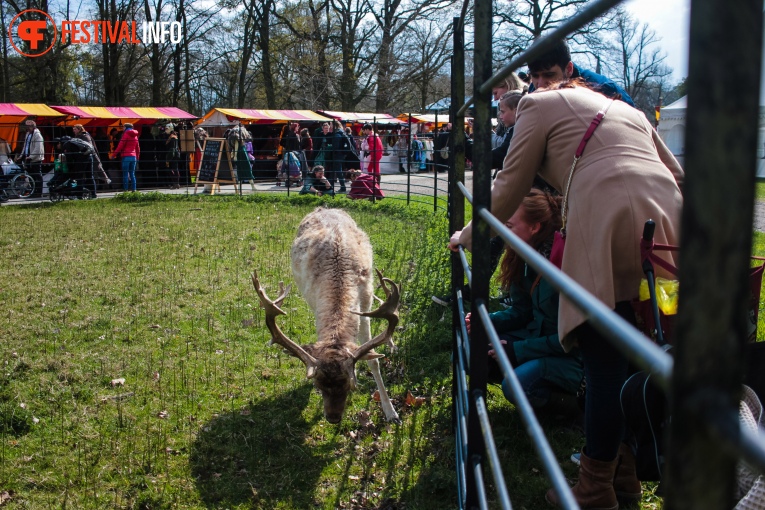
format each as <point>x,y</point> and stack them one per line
<point>61,186</point>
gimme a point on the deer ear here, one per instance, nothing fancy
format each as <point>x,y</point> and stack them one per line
<point>350,367</point>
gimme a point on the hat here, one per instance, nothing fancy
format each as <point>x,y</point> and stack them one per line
<point>128,125</point>
<point>169,128</point>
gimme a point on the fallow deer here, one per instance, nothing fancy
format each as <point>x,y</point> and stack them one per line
<point>331,261</point>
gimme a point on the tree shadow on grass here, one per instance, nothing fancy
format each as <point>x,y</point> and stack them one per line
<point>258,455</point>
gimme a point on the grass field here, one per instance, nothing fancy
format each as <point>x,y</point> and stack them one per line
<point>135,371</point>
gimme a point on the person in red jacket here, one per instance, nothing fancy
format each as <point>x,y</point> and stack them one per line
<point>130,151</point>
<point>375,151</point>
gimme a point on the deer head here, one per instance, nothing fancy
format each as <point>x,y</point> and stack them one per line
<point>331,366</point>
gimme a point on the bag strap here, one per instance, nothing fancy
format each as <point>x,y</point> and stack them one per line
<point>577,156</point>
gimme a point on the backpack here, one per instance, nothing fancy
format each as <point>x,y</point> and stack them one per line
<point>645,410</point>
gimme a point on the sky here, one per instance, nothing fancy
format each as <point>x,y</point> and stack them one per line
<point>670,20</point>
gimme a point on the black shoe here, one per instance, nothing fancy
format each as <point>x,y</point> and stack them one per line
<point>341,190</point>
<point>442,300</point>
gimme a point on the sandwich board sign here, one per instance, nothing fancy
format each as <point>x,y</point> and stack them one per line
<point>216,166</point>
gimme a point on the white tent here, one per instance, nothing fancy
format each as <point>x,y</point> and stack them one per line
<point>672,131</point>
<point>672,126</point>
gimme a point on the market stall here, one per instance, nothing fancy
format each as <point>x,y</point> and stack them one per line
<point>12,115</point>
<point>265,128</point>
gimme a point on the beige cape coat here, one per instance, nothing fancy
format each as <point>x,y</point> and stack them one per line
<point>625,177</point>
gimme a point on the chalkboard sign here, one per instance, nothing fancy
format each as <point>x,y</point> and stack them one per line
<point>216,164</point>
<point>210,160</point>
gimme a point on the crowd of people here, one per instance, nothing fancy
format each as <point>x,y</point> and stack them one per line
<point>597,191</point>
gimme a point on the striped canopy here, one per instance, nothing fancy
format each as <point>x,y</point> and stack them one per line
<point>13,114</point>
<point>113,115</point>
<point>361,118</point>
<point>227,116</point>
<point>27,109</point>
<point>420,118</point>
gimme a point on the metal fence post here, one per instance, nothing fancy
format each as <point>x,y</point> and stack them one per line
<point>456,205</point>
<point>481,159</point>
<point>721,142</point>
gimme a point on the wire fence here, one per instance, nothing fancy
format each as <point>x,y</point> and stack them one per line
<point>409,168</point>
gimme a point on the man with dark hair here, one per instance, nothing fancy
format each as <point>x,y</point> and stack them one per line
<point>556,66</point>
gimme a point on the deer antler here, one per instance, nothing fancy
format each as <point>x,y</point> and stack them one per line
<point>272,312</point>
<point>388,310</point>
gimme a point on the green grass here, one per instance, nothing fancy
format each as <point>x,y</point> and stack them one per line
<point>156,290</point>
<point>760,190</point>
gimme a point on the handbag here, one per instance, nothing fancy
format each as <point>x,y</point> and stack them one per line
<point>559,238</point>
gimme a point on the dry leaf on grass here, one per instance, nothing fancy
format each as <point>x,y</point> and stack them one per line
<point>155,326</point>
<point>163,414</point>
<point>413,401</point>
<point>376,396</point>
<point>155,376</point>
<point>118,382</point>
<point>364,419</point>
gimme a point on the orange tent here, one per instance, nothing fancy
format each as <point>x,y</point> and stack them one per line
<point>13,114</point>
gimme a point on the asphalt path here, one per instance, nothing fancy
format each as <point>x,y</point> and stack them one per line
<point>393,182</point>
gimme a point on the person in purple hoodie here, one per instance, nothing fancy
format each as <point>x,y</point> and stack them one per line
<point>130,150</point>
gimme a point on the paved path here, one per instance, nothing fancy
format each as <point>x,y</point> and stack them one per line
<point>392,182</point>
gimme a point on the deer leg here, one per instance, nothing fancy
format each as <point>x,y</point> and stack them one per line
<point>387,405</point>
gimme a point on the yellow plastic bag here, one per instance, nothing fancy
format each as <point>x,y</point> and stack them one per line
<point>666,294</point>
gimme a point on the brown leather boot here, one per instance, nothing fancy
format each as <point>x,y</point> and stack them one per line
<point>595,488</point>
<point>626,484</point>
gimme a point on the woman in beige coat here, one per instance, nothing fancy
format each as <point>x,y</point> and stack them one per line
<point>626,176</point>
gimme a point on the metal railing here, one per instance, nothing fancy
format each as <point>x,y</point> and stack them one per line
<point>703,380</point>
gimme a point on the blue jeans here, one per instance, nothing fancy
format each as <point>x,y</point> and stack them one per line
<point>536,388</point>
<point>128,173</point>
<point>605,370</point>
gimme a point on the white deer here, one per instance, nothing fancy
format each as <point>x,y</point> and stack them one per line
<point>332,266</point>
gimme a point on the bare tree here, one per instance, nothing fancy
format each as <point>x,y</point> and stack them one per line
<point>638,59</point>
<point>356,61</point>
<point>311,23</point>
<point>393,17</point>
<point>430,51</point>
<point>522,21</point>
